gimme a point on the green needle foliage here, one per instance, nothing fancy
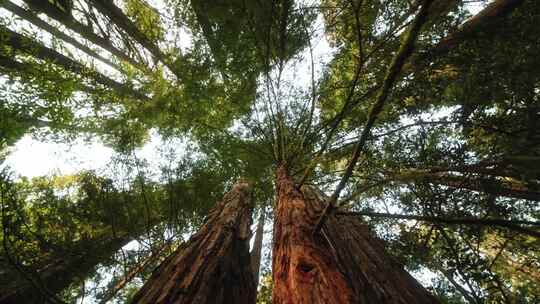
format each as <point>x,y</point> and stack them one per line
<point>443,107</point>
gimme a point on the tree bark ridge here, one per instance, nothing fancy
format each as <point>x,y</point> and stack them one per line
<point>343,263</point>
<point>214,265</point>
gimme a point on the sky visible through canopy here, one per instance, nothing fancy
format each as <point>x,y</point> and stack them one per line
<point>32,157</point>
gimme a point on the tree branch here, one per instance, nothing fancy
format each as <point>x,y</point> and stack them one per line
<point>403,53</point>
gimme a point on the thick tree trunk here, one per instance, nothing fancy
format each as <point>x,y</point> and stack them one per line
<point>61,273</point>
<point>342,263</point>
<point>482,21</point>
<point>214,265</point>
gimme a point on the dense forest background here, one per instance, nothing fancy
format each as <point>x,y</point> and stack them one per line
<point>421,118</point>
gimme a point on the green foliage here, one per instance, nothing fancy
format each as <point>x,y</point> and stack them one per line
<point>264,294</point>
<point>146,19</point>
<point>457,137</point>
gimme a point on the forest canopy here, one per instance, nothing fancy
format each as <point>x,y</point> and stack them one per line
<point>331,151</point>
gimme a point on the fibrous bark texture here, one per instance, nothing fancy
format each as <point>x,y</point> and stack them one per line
<point>214,265</point>
<point>342,263</point>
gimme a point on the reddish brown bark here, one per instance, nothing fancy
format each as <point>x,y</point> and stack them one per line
<point>342,263</point>
<point>214,265</point>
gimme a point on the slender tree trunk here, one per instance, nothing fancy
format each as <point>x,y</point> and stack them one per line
<point>28,46</point>
<point>214,265</point>
<point>201,9</point>
<point>466,294</point>
<point>492,222</point>
<point>480,184</point>
<point>9,65</point>
<point>61,273</point>
<point>86,32</point>
<point>115,14</point>
<point>342,263</point>
<point>32,18</point>
<point>132,273</point>
<point>257,248</point>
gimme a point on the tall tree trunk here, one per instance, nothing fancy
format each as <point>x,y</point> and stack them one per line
<point>85,31</point>
<point>484,23</point>
<point>32,18</point>
<point>9,65</point>
<point>28,46</point>
<point>201,10</point>
<point>256,252</point>
<point>474,26</point>
<point>61,273</point>
<point>214,265</point>
<point>115,14</point>
<point>342,263</point>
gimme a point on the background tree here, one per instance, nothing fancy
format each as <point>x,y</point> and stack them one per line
<point>421,121</point>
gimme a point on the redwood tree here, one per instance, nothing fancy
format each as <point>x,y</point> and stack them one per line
<point>342,263</point>
<point>392,62</point>
<point>214,265</point>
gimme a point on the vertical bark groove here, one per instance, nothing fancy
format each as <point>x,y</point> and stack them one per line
<point>304,270</point>
<point>214,265</point>
<point>342,263</point>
